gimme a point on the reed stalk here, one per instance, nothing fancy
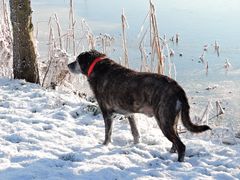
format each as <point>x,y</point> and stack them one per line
<point>59,30</point>
<point>124,39</point>
<point>72,27</point>
<point>144,66</point>
<point>51,45</point>
<point>155,40</point>
<point>168,57</point>
<point>89,35</point>
<point>217,48</point>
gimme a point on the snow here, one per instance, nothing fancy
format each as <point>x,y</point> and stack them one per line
<point>46,134</point>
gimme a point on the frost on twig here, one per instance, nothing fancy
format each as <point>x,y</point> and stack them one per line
<point>105,42</point>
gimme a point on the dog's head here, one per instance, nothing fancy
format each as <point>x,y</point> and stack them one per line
<point>83,62</point>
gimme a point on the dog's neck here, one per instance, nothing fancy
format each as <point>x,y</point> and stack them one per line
<point>95,61</point>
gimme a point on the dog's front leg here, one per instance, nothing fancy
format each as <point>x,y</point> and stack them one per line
<point>134,129</point>
<point>108,126</point>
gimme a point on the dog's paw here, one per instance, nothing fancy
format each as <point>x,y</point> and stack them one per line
<point>136,141</point>
<point>106,142</point>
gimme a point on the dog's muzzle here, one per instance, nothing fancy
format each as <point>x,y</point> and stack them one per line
<point>74,67</point>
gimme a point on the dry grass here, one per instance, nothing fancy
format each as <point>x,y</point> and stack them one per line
<point>159,49</point>
<point>155,40</point>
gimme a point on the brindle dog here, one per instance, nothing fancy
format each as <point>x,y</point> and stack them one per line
<point>122,90</point>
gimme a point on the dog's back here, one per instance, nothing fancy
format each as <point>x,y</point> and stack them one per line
<point>129,90</point>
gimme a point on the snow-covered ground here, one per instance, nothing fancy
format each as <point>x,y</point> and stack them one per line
<point>54,135</point>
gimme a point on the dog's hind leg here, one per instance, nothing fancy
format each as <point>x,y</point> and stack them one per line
<point>174,148</point>
<point>171,134</point>
<point>108,126</point>
<point>134,129</point>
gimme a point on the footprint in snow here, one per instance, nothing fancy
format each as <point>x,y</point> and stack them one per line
<point>14,138</point>
<point>73,157</point>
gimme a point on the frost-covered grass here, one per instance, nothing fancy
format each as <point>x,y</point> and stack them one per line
<point>47,134</point>
<point>5,43</point>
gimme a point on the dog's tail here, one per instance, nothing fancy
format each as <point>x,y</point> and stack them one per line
<point>186,118</point>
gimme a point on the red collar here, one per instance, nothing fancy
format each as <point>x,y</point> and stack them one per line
<point>94,63</point>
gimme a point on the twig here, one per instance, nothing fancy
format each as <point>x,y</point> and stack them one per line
<point>59,31</point>
<point>50,50</point>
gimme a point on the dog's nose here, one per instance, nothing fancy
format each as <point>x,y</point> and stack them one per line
<point>74,67</point>
<point>70,66</point>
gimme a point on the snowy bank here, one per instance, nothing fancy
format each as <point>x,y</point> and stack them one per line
<point>47,134</point>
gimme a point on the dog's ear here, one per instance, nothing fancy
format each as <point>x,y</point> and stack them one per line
<point>85,59</point>
<point>95,54</point>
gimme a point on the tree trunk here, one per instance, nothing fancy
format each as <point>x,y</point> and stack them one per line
<point>24,55</point>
